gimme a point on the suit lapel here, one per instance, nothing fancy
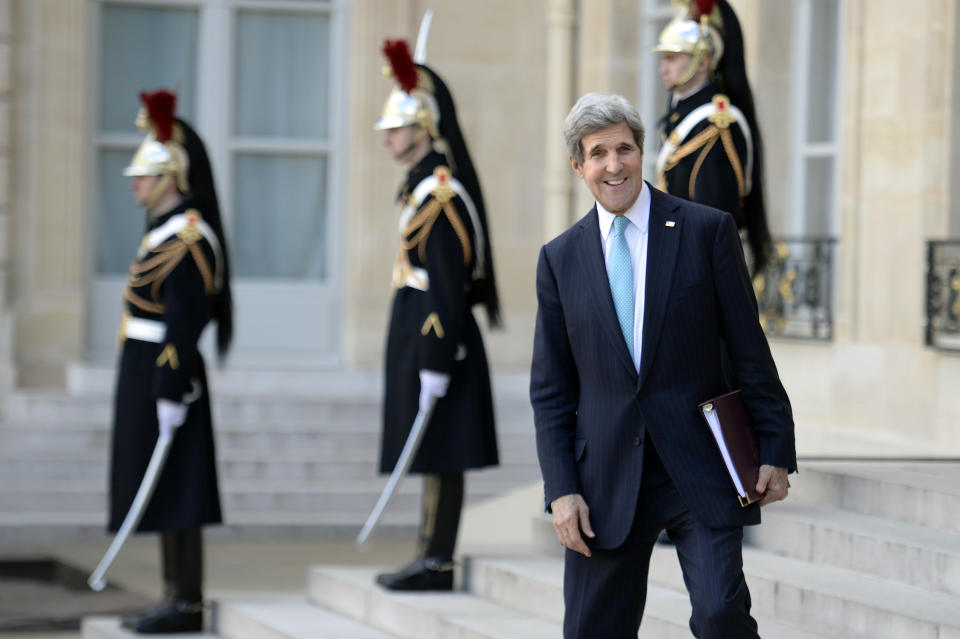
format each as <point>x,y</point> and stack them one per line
<point>663,245</point>
<point>591,255</point>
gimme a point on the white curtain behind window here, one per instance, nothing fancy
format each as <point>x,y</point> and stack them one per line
<point>145,49</point>
<point>823,71</point>
<point>281,107</point>
<point>282,81</point>
<point>280,205</point>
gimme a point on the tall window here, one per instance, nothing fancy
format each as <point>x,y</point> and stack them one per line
<point>815,169</point>
<point>280,143</point>
<point>257,78</point>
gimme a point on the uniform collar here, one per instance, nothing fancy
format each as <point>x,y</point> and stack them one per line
<point>683,107</point>
<point>423,169</point>
<point>157,221</point>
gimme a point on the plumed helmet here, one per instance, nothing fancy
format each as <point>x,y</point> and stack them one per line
<point>696,30</point>
<point>412,101</point>
<point>162,151</point>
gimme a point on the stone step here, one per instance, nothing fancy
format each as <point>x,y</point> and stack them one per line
<point>922,493</point>
<point>351,592</point>
<point>52,526</point>
<point>109,628</point>
<point>25,496</point>
<point>88,379</point>
<point>236,464</point>
<point>534,584</point>
<point>265,438</point>
<point>928,558</point>
<point>285,618</point>
<point>824,598</point>
<point>58,407</point>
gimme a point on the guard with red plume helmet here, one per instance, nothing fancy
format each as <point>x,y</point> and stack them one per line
<point>179,280</point>
<point>435,354</point>
<point>712,150</point>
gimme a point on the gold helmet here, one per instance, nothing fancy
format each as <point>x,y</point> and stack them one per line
<point>697,30</point>
<point>161,152</point>
<point>412,100</point>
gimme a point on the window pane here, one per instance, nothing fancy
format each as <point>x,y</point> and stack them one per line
<point>279,227</point>
<point>145,49</point>
<point>282,74</point>
<point>823,69</point>
<point>119,222</point>
<point>819,196</point>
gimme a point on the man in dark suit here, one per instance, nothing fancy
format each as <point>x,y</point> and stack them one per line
<point>635,301</point>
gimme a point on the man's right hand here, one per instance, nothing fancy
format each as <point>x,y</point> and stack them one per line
<point>570,516</point>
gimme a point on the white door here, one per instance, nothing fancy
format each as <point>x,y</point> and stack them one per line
<point>260,82</point>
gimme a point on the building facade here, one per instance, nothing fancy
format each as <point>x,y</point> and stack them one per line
<point>859,105</point>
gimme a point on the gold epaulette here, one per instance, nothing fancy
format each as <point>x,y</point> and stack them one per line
<point>443,192</point>
<point>154,270</point>
<point>722,116</point>
<point>422,223</point>
<point>190,234</point>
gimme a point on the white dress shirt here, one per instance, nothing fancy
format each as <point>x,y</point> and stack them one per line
<point>636,236</point>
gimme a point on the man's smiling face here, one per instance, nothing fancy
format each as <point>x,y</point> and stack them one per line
<point>612,167</point>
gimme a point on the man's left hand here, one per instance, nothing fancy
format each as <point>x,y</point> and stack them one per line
<point>773,484</point>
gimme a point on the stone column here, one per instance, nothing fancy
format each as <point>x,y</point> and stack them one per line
<point>372,177</point>
<point>6,143</point>
<point>608,61</point>
<point>557,178</point>
<point>897,116</point>
<point>48,203</point>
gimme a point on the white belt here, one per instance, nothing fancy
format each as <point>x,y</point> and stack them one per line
<point>144,330</point>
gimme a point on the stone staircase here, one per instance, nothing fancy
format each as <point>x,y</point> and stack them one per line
<point>861,550</point>
<point>297,455</point>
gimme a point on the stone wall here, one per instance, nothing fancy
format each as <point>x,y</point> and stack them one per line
<point>49,195</point>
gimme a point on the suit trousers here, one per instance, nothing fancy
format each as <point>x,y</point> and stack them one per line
<point>604,595</point>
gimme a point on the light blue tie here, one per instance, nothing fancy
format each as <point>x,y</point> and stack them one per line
<point>621,279</point>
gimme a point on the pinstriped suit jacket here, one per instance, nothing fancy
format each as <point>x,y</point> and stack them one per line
<point>593,412</point>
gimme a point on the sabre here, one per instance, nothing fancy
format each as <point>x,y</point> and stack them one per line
<point>399,470</point>
<point>96,581</point>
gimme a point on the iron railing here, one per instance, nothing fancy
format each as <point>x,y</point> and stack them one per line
<point>794,292</point>
<point>943,294</point>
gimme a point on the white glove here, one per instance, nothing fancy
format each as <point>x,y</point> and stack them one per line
<point>170,415</point>
<point>432,384</point>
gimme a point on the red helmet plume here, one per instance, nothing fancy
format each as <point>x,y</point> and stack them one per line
<point>704,7</point>
<point>161,109</point>
<point>404,70</point>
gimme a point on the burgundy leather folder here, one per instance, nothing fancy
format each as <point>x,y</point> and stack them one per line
<point>732,429</point>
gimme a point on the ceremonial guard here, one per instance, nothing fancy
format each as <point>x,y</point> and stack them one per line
<point>712,151</point>
<point>179,281</point>
<point>434,349</point>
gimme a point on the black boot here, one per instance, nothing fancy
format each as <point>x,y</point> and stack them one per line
<point>182,607</point>
<point>422,574</point>
<point>433,569</point>
<point>173,615</point>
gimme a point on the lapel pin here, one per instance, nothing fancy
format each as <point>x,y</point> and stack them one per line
<point>671,223</point>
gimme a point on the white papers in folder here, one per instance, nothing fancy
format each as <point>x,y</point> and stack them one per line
<point>711,416</point>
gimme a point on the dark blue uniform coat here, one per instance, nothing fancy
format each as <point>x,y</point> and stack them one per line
<point>435,329</point>
<point>187,495</point>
